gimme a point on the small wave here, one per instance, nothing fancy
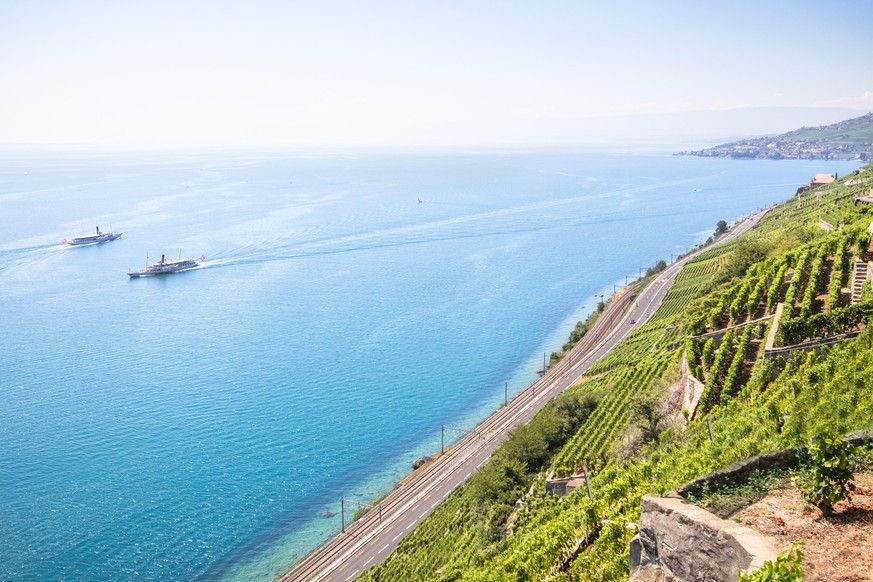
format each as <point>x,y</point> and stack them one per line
<point>286,248</point>
<point>23,256</point>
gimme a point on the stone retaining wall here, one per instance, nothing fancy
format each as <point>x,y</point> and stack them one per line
<point>681,541</point>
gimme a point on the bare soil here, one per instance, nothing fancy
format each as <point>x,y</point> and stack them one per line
<point>838,548</point>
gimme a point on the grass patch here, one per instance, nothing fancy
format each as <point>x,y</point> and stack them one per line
<point>726,500</point>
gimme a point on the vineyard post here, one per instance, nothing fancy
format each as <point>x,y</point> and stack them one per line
<point>709,426</point>
<point>587,484</point>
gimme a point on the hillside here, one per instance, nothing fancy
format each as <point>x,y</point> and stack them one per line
<point>626,423</point>
<point>851,139</point>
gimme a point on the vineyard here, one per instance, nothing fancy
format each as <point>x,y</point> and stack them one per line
<point>503,525</point>
<point>589,447</point>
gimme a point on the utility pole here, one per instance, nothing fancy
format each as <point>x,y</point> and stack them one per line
<point>460,430</point>
<point>343,513</point>
<point>544,363</point>
<point>505,393</point>
<point>362,506</point>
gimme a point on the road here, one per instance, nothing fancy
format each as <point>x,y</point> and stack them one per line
<point>370,539</point>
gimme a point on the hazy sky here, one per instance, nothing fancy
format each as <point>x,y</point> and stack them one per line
<point>191,72</point>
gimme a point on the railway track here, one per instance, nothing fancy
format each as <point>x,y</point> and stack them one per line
<point>347,554</point>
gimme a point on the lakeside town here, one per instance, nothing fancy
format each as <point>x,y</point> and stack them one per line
<point>851,139</point>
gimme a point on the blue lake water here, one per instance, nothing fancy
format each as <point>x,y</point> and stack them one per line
<point>197,425</point>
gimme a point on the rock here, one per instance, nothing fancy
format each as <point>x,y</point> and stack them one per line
<point>687,543</point>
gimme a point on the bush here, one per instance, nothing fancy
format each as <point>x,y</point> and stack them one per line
<point>829,478</point>
<point>707,354</point>
<point>650,415</point>
<point>788,567</point>
<point>745,254</point>
<point>659,266</point>
<point>502,481</point>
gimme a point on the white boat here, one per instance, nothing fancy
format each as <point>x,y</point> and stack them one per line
<point>164,267</point>
<point>91,239</point>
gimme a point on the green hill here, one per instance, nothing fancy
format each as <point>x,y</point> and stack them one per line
<point>625,426</point>
<point>847,140</point>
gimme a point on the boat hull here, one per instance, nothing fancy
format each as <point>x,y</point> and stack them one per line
<point>165,268</point>
<point>138,274</point>
<point>93,240</point>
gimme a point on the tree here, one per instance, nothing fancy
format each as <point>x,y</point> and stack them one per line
<point>745,254</point>
<point>649,414</point>
<point>659,266</point>
<point>720,228</point>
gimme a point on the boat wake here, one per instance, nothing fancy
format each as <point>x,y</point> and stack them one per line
<point>568,213</point>
<point>18,257</point>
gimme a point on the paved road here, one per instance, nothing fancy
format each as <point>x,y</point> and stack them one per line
<point>370,539</point>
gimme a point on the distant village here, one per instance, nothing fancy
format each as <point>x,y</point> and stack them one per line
<point>851,139</point>
<point>778,148</point>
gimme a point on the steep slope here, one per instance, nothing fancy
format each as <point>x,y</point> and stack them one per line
<point>624,427</point>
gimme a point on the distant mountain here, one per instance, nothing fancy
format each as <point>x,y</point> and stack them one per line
<point>851,139</point>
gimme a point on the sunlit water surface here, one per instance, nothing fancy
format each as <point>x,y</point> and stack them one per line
<point>198,425</point>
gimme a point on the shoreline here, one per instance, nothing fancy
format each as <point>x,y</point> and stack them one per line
<point>583,355</point>
<point>259,508</point>
<point>526,368</point>
<point>231,568</point>
<point>243,564</point>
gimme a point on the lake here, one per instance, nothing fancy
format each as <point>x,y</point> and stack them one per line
<point>197,425</point>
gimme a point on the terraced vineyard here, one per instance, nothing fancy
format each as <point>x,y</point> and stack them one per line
<point>503,525</point>
<point>589,447</point>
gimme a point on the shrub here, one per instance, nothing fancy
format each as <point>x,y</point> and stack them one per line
<point>745,254</point>
<point>829,477</point>
<point>650,415</point>
<point>707,354</point>
<point>788,567</point>
<point>659,266</point>
<point>776,288</point>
